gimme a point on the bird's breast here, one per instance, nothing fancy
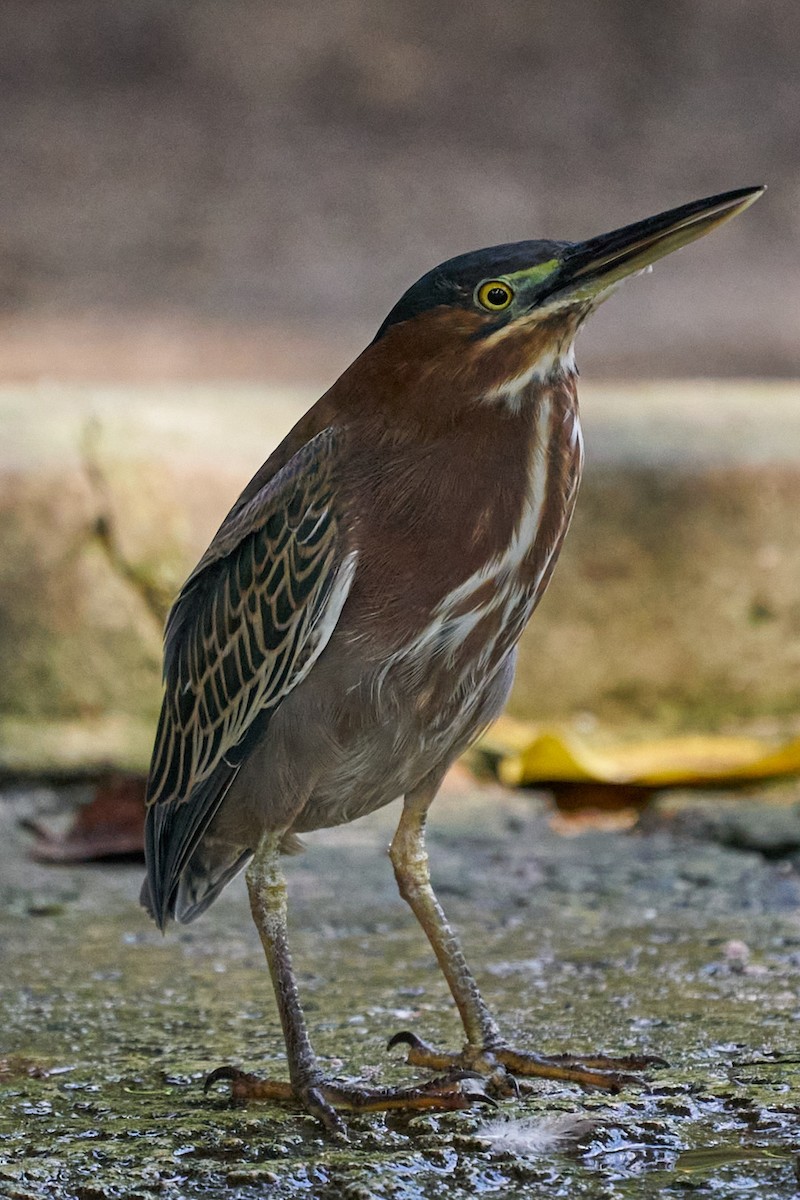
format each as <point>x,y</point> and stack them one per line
<point>485,557</point>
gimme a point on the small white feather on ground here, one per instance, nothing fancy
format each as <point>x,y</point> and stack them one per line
<point>529,1138</point>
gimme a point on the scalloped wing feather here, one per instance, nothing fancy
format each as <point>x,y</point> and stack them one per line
<point>246,628</point>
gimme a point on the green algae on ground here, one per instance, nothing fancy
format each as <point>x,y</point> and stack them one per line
<point>604,941</point>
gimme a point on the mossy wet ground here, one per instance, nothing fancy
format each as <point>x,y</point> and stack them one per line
<point>605,941</point>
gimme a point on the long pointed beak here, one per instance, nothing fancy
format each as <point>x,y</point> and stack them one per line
<point>588,269</point>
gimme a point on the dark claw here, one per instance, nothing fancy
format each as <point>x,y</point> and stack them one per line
<point>406,1038</point>
<point>229,1074</point>
<point>474,1095</point>
<point>512,1083</point>
<point>481,1098</point>
<point>319,1107</point>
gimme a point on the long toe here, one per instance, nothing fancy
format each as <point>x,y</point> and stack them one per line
<point>499,1062</point>
<point>593,1071</point>
<point>420,1054</point>
<point>633,1062</point>
<point>605,1062</point>
<point>246,1087</point>
<point>326,1098</point>
<point>472,1060</point>
<point>449,1093</point>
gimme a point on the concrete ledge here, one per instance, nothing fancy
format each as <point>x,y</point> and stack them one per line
<point>676,601</point>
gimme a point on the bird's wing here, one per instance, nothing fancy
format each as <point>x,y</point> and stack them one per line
<point>247,626</point>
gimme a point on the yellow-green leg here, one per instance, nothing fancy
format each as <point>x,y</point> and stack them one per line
<point>485,1049</point>
<point>307,1083</point>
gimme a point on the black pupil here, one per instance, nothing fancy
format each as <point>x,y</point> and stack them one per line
<point>497,295</point>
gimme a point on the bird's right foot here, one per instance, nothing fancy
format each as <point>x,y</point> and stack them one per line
<point>498,1061</point>
<point>324,1098</point>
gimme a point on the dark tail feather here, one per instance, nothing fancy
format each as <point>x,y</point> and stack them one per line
<point>172,833</point>
<point>211,868</point>
<point>204,878</point>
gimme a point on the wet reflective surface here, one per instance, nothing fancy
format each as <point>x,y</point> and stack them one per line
<point>607,941</point>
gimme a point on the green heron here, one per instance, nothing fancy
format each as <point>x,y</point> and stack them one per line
<point>353,625</point>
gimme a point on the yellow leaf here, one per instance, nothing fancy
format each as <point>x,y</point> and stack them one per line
<point>553,755</point>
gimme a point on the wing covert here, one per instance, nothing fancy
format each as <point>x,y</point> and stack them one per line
<point>250,620</point>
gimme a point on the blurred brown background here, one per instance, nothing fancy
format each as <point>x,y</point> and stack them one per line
<point>242,188</point>
<point>208,206</point>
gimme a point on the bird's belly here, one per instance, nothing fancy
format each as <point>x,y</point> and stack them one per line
<point>426,702</point>
<point>410,732</point>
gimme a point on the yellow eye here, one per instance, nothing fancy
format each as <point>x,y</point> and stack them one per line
<point>494,295</point>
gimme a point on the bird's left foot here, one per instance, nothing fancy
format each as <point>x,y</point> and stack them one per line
<point>501,1063</point>
<point>325,1098</point>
